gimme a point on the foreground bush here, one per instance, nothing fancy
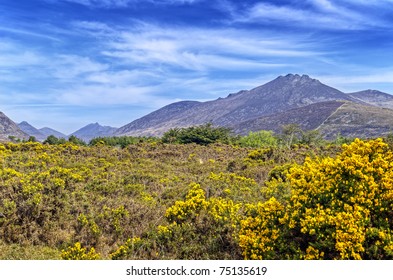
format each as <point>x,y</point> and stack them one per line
<point>340,208</point>
<point>197,228</point>
<point>202,135</point>
<point>77,252</point>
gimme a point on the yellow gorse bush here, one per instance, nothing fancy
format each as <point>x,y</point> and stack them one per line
<point>196,219</point>
<point>260,230</point>
<point>220,209</point>
<point>77,252</point>
<point>254,204</point>
<point>340,208</point>
<point>184,210</point>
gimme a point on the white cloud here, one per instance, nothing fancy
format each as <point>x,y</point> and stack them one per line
<point>28,33</point>
<point>93,95</point>
<point>374,3</point>
<point>102,3</point>
<point>124,77</point>
<point>203,50</point>
<point>324,14</point>
<point>12,55</point>
<point>93,27</point>
<point>17,62</point>
<point>125,3</point>
<point>380,76</point>
<point>72,66</point>
<point>25,58</point>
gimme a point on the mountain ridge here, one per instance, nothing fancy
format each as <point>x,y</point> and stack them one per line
<point>9,128</point>
<point>47,131</point>
<point>289,94</point>
<point>292,98</point>
<point>31,130</point>
<point>94,130</point>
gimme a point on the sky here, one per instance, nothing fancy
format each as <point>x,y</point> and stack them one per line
<point>67,63</point>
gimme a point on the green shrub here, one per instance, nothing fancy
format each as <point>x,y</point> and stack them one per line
<point>259,139</point>
<point>202,135</point>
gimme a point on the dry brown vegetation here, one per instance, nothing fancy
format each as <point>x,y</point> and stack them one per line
<point>53,196</point>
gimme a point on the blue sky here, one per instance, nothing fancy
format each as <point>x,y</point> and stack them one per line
<point>67,63</point>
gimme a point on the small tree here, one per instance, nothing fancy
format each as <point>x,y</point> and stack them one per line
<point>259,139</point>
<point>51,140</point>
<point>311,137</point>
<point>32,139</point>
<point>75,140</point>
<point>291,133</point>
<point>202,135</point>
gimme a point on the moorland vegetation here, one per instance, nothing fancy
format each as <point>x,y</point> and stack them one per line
<point>198,193</point>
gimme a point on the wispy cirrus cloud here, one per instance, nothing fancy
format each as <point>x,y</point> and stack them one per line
<point>125,3</point>
<point>140,63</point>
<point>193,49</point>
<point>374,3</point>
<point>26,32</point>
<point>362,80</point>
<point>315,14</point>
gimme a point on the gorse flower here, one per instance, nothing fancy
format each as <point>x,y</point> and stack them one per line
<point>339,208</point>
<point>77,252</point>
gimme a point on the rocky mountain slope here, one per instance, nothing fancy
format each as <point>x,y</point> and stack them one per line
<point>355,120</point>
<point>9,128</point>
<point>374,97</point>
<point>308,117</point>
<point>286,99</point>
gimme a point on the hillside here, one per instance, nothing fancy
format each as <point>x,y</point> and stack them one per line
<point>40,134</point>
<point>308,117</point>
<point>9,128</point>
<point>374,97</point>
<point>32,131</point>
<point>47,131</point>
<point>146,124</point>
<point>286,99</point>
<point>352,120</point>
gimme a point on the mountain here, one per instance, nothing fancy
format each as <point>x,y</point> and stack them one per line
<point>9,128</point>
<point>40,134</point>
<point>31,130</point>
<point>287,99</point>
<point>358,120</point>
<point>46,131</point>
<point>308,117</point>
<point>94,130</point>
<point>374,97</point>
<point>157,118</point>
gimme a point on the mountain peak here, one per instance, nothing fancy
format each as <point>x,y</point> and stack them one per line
<point>9,128</point>
<point>94,130</point>
<point>296,78</point>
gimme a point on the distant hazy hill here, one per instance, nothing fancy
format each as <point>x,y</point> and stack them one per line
<point>32,131</point>
<point>286,99</point>
<point>374,97</point>
<point>9,128</point>
<point>40,134</point>
<point>94,130</point>
<point>49,131</point>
